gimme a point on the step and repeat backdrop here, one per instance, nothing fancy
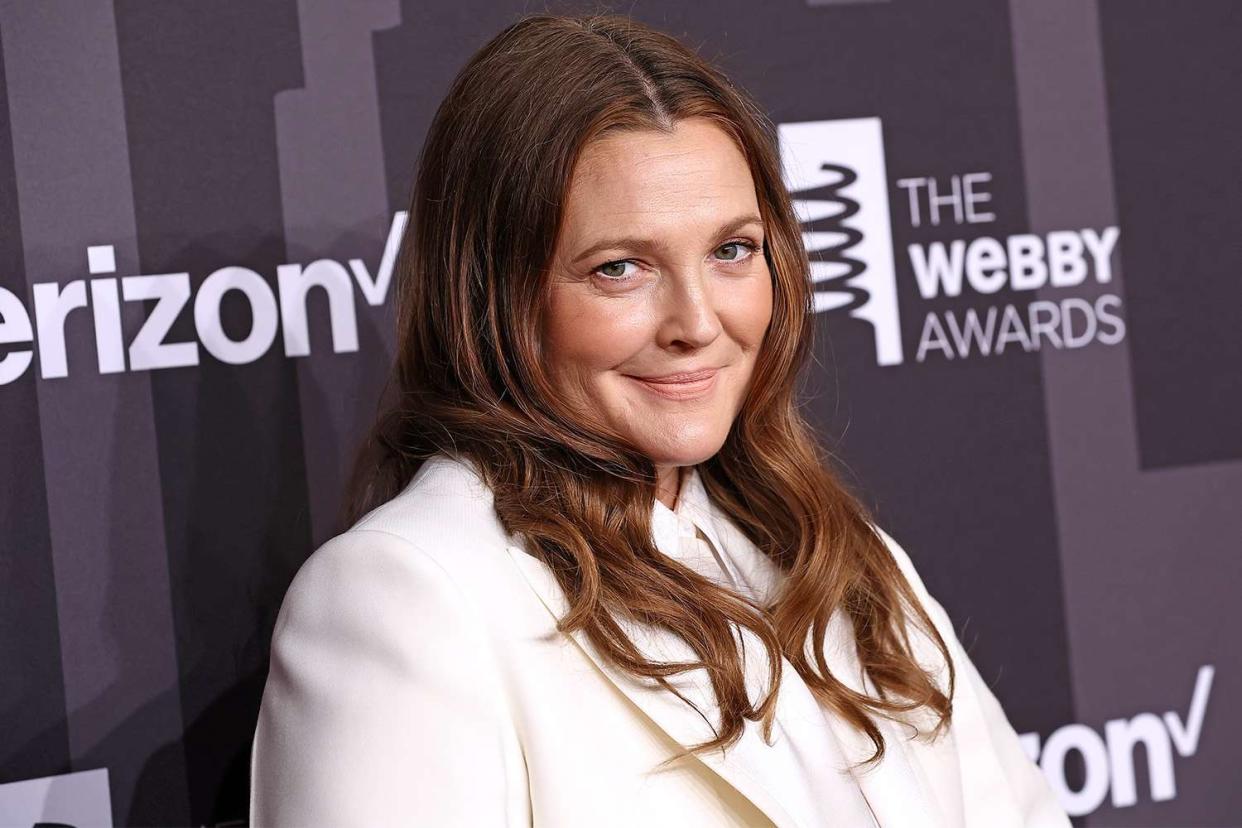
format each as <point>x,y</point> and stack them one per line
<point>1029,348</point>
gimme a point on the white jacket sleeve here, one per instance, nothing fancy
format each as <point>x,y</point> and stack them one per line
<point>1035,798</point>
<point>382,705</point>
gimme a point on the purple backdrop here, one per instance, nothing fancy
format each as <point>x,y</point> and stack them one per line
<point>1024,220</point>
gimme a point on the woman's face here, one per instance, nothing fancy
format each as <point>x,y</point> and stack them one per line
<point>659,271</point>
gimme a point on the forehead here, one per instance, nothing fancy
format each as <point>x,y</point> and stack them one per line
<point>652,181</point>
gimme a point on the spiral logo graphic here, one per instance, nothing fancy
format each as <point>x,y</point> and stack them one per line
<point>836,174</point>
<point>828,240</point>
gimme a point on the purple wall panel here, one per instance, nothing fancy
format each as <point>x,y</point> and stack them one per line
<point>1055,442</point>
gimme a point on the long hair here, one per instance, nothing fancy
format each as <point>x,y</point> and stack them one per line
<point>469,380</point>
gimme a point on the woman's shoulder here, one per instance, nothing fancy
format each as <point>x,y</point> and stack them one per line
<point>903,560</point>
<point>362,579</point>
<point>446,500</point>
<point>446,510</point>
<point>379,663</point>
<point>934,608</point>
<point>439,533</point>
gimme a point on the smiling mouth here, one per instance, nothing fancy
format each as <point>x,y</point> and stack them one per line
<point>692,386</point>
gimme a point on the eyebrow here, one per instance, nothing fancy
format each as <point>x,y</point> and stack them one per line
<point>636,243</point>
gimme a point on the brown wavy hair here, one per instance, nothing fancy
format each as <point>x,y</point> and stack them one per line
<point>469,380</point>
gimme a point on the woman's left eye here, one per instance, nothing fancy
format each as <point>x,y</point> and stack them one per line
<point>738,246</point>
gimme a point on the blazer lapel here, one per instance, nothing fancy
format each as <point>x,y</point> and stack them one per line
<point>667,711</point>
<point>748,765</point>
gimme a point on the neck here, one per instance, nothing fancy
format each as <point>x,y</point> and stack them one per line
<point>668,482</point>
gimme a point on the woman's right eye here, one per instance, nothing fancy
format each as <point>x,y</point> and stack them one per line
<point>614,271</point>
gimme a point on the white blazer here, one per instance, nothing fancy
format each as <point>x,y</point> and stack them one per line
<point>417,678</point>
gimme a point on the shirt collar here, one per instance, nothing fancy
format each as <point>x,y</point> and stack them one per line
<point>694,509</point>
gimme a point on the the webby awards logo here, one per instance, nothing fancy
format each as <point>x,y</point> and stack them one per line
<point>838,178</point>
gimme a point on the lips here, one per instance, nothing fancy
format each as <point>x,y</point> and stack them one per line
<point>688,385</point>
<point>682,378</point>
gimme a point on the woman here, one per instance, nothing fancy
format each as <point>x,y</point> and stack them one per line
<point>598,571</point>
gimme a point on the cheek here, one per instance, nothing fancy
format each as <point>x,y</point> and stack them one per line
<point>588,334</point>
<point>748,311</point>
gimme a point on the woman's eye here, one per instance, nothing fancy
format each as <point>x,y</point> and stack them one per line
<point>614,271</point>
<point>739,250</point>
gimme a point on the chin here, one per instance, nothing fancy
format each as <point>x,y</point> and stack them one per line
<point>682,452</point>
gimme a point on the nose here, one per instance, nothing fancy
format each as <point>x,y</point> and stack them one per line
<point>689,317</point>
